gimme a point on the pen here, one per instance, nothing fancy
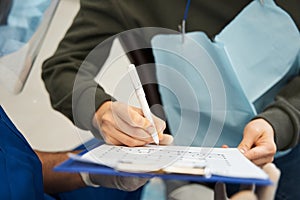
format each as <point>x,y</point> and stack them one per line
<point>142,99</point>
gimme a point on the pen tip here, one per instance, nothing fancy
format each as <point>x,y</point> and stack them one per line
<point>156,140</point>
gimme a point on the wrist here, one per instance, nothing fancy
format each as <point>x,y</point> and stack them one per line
<point>100,112</point>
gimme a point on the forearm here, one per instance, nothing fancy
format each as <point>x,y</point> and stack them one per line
<point>55,182</point>
<point>284,115</point>
<point>69,74</point>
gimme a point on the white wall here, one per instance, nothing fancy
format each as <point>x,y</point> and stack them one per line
<point>30,110</point>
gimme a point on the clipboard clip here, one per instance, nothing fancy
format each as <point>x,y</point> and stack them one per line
<point>199,168</point>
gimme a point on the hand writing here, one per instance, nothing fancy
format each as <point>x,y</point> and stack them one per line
<point>121,124</point>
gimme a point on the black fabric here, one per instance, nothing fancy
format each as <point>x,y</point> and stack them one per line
<point>143,59</point>
<point>5,6</point>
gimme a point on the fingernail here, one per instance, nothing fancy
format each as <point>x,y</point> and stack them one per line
<point>242,151</point>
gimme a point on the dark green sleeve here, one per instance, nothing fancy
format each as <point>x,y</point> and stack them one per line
<point>284,115</point>
<point>92,25</point>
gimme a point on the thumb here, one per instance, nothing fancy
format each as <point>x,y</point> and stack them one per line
<point>246,143</point>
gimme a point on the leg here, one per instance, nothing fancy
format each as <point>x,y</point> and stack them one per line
<point>288,187</point>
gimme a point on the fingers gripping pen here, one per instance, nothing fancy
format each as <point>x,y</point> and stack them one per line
<point>142,99</point>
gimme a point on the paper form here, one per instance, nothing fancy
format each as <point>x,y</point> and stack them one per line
<point>227,162</point>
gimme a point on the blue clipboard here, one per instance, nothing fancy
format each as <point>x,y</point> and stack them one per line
<point>75,166</point>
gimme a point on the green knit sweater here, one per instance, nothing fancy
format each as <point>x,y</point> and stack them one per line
<point>98,20</point>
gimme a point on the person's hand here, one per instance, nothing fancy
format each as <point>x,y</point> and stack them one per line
<point>118,182</point>
<point>258,143</point>
<point>121,124</point>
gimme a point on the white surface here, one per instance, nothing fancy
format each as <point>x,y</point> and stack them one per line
<point>114,77</point>
<point>31,111</point>
<point>44,128</point>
